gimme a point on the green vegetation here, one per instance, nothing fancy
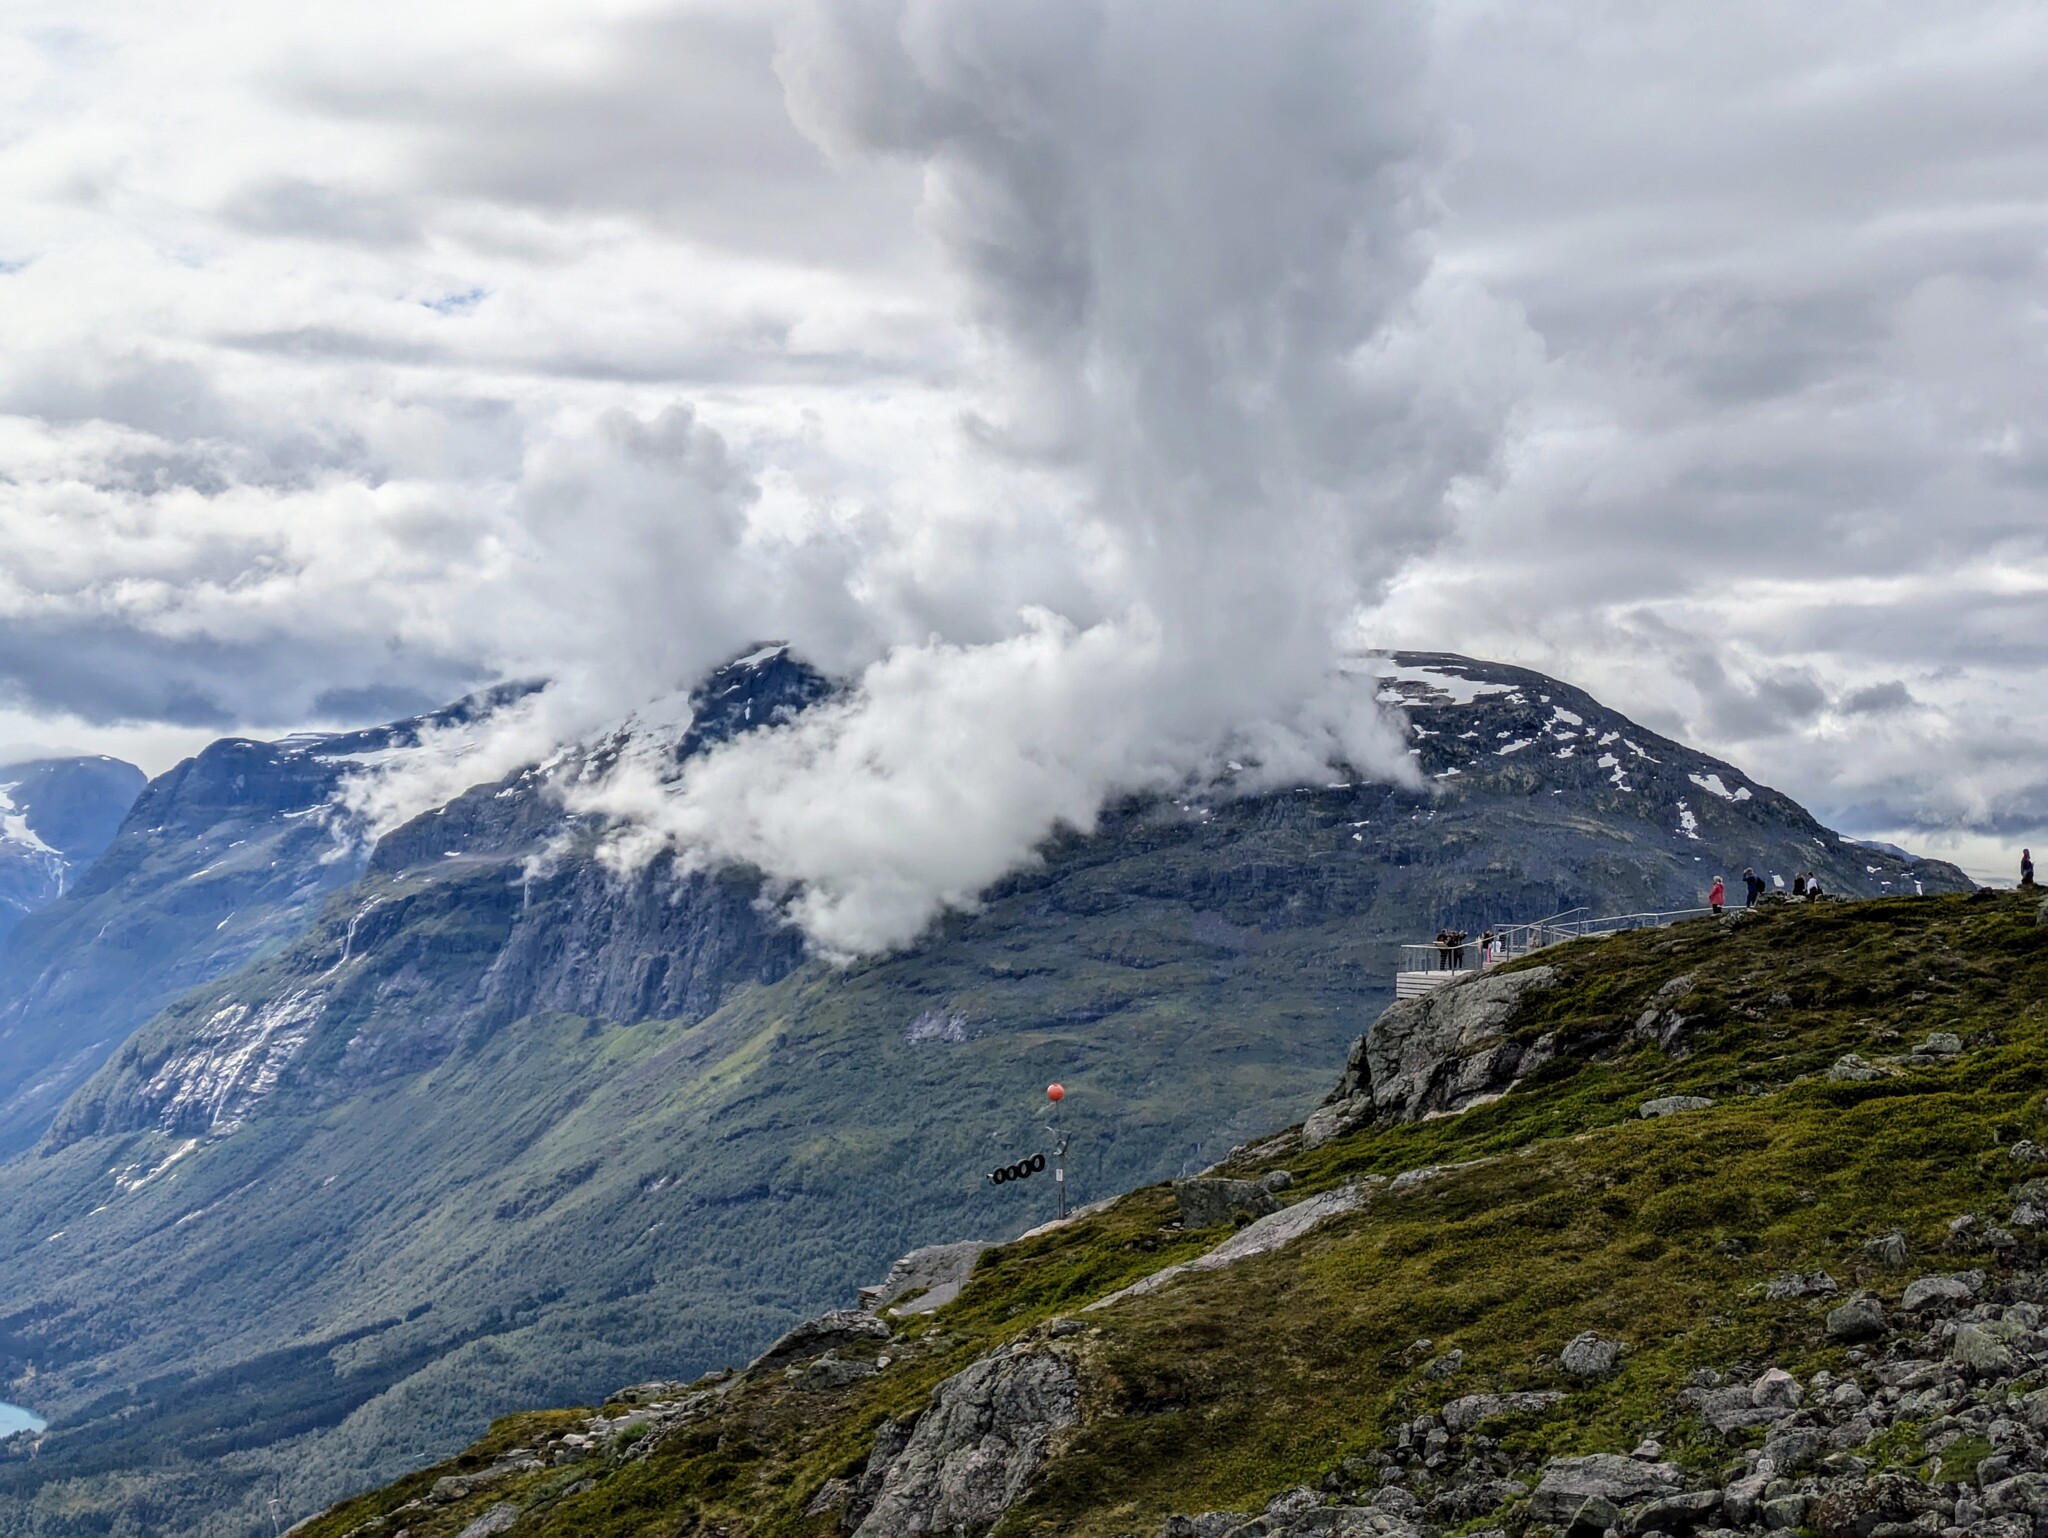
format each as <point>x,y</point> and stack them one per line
<point>1568,1213</point>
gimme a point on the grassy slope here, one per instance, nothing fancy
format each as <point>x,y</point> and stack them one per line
<point>1220,1389</point>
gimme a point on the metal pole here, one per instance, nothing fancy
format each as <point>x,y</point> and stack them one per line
<point>1059,1172</point>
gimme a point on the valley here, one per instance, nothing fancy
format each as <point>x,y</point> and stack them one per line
<point>476,1135</point>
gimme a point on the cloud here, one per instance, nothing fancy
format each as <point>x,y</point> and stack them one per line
<point>1210,330</point>
<point>371,353</point>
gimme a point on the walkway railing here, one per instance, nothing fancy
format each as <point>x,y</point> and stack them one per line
<point>1424,967</point>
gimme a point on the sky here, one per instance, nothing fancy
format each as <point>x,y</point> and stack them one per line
<point>1080,378</point>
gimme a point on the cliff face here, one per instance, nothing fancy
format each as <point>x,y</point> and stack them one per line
<point>476,1128</point>
<point>1780,1270</point>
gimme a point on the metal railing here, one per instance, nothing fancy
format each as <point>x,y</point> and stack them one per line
<point>1512,940</point>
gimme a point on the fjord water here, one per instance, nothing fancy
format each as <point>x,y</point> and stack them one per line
<point>14,1418</point>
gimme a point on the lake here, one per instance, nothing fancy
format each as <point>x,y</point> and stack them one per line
<point>14,1418</point>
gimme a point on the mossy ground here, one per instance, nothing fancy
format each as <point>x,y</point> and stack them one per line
<point>1572,1213</point>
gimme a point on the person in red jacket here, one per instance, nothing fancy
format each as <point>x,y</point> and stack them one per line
<point>1718,895</point>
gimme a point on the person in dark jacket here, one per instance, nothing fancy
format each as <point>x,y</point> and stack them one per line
<point>2026,868</point>
<point>1753,885</point>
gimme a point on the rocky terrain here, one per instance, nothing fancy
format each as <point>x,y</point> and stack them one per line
<point>1753,1246</point>
<point>483,1124</point>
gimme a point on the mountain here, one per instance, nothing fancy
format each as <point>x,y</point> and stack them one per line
<point>1750,1242</point>
<point>56,815</point>
<point>500,1126</point>
<point>216,863</point>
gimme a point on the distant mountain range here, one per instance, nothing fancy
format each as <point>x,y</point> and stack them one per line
<point>335,1142</point>
<point>56,815</point>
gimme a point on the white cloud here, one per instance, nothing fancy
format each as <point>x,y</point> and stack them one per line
<point>352,357</point>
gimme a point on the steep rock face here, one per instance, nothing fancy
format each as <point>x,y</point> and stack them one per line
<point>1445,1051</point>
<point>56,815</point>
<point>976,1451</point>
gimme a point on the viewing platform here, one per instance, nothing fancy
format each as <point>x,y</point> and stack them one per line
<point>1427,967</point>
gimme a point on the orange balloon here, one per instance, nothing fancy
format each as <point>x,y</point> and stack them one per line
<point>1055,1092</point>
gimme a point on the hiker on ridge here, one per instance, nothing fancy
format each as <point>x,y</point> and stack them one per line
<point>1717,895</point>
<point>1753,884</point>
<point>2026,869</point>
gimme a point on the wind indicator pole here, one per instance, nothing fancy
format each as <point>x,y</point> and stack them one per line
<point>1056,1093</point>
<point>1030,1165</point>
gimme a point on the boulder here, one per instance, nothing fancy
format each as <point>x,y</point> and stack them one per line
<point>1674,1513</point>
<point>1743,1500</point>
<point>814,1337</point>
<point>501,1518</point>
<point>1445,1365</point>
<point>1858,1510</point>
<point>1206,1202</point>
<point>1979,1349</point>
<point>1794,1449</point>
<point>1776,1389</point>
<point>1800,1284</point>
<point>1671,1105</point>
<point>1853,1069</point>
<point>1730,1409</point>
<point>935,1273</point>
<point>1569,1484</point>
<point>1441,1052</point>
<point>1935,1291</point>
<point>976,1451</point>
<point>1590,1355</point>
<point>1888,1249</point>
<point>1861,1318</point>
<point>1940,1044</point>
<point>2021,1495</point>
<point>1463,1414</point>
<point>1782,1513</point>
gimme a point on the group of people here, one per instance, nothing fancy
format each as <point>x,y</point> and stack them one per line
<point>1805,885</point>
<point>1450,949</point>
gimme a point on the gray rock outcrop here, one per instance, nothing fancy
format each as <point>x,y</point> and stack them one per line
<point>1671,1105</point>
<point>975,1452</point>
<point>1442,1052</point>
<point>1933,1291</point>
<point>1206,1201</point>
<point>1861,1318</point>
<point>814,1337</point>
<point>1590,1355</point>
<point>1465,1413</point>
<point>1603,1481</point>
<point>935,1273</point>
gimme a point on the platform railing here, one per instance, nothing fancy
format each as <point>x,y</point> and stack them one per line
<point>1513,940</point>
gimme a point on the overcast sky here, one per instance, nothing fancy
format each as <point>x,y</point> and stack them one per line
<point>1093,371</point>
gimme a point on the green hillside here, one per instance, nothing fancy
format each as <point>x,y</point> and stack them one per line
<point>1839,1117</point>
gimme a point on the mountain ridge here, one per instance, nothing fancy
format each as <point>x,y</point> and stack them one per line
<point>482,1129</point>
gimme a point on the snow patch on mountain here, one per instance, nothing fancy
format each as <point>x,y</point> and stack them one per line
<point>1712,783</point>
<point>1434,685</point>
<point>231,1063</point>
